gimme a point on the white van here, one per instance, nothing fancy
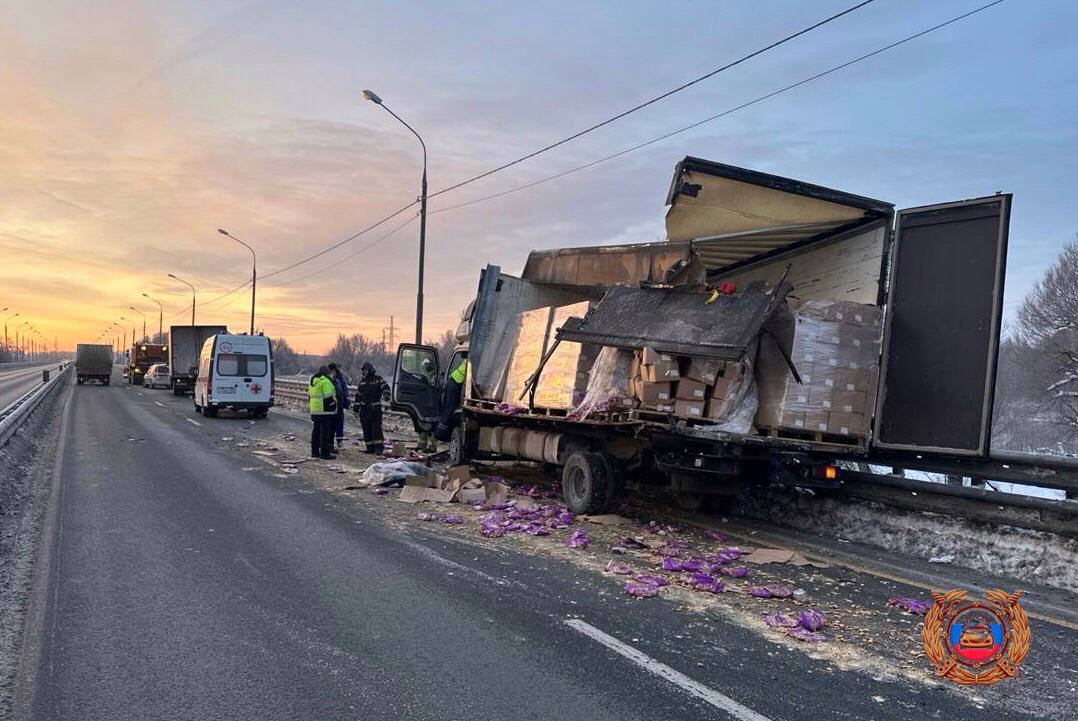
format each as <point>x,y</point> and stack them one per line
<point>236,372</point>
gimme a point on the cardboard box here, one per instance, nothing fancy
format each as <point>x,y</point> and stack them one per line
<point>691,390</point>
<point>689,409</point>
<point>718,409</point>
<point>662,407</point>
<point>705,370</point>
<point>816,420</point>
<point>427,480</point>
<point>659,366</point>
<point>848,424</point>
<point>848,402</point>
<point>652,393</point>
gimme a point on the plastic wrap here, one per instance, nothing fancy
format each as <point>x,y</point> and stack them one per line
<point>608,383</point>
<point>835,347</point>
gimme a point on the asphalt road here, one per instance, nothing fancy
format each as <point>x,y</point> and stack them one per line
<point>184,584</point>
<point>14,383</point>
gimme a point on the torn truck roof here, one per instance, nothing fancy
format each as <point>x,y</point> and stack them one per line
<point>733,215</point>
<point>677,321</point>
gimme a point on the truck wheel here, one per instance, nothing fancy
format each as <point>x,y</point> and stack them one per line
<point>613,476</point>
<point>585,480</point>
<point>208,412</point>
<point>458,452</point>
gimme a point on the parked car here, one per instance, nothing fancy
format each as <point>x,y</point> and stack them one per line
<point>157,376</point>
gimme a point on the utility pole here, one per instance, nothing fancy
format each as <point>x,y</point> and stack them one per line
<point>373,97</point>
<point>254,272</point>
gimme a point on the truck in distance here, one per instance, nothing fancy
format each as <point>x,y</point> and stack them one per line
<point>93,362</point>
<point>185,343</point>
<point>144,355</point>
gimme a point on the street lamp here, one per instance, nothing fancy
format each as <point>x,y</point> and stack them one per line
<point>369,95</point>
<point>143,321</point>
<point>160,315</point>
<point>6,346</point>
<point>176,277</point>
<point>254,273</point>
<point>18,345</point>
<point>132,328</point>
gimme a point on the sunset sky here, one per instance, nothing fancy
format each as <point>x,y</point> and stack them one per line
<point>131,131</point>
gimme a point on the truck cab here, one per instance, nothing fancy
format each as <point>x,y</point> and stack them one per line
<point>420,386</point>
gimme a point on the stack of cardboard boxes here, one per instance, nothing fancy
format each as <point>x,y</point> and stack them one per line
<point>835,347</point>
<point>701,388</point>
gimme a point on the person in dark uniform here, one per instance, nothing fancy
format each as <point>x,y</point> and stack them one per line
<point>343,402</point>
<point>368,407</point>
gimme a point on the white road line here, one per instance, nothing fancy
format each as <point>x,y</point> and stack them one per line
<point>434,556</point>
<point>192,420</point>
<point>159,403</point>
<point>700,691</point>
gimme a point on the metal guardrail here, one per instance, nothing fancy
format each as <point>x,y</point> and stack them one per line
<point>13,415</point>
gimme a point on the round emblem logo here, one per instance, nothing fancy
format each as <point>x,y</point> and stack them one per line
<point>976,642</point>
<point>226,346</point>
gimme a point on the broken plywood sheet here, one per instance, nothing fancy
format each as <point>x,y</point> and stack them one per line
<point>533,329</point>
<point>565,375</point>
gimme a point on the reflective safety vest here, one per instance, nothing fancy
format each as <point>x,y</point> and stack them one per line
<point>321,389</point>
<point>459,373</point>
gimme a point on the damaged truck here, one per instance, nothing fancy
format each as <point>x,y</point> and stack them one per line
<point>783,333</point>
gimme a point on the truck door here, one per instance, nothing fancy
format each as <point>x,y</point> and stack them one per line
<point>415,382</point>
<point>941,332</point>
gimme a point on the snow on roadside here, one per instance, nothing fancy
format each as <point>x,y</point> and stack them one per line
<point>1001,550</point>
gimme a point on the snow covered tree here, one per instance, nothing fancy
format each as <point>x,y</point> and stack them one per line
<point>1048,323</point>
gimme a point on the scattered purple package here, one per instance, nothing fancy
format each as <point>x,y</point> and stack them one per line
<point>716,535</point>
<point>424,516</point>
<point>729,555</point>
<point>452,518</point>
<point>704,582</point>
<point>652,580</point>
<point>619,567</point>
<point>811,620</point>
<point>671,564</point>
<point>910,605</point>
<point>780,620</point>
<point>641,590</point>
<point>693,565</point>
<point>734,571</point>
<point>803,634</point>
<point>578,539</point>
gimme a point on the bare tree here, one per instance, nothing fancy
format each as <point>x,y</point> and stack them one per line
<point>446,344</point>
<point>285,360</point>
<point>350,352</point>
<point>1048,323</point>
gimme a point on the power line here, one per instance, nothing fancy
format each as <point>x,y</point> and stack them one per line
<point>717,116</point>
<point>654,100</point>
<point>338,244</point>
<point>354,253</point>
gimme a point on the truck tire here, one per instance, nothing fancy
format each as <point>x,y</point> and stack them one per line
<point>208,412</point>
<point>458,451</point>
<point>585,480</point>
<point>613,476</point>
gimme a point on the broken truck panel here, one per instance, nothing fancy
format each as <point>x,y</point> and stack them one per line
<point>501,299</point>
<point>605,266</point>
<point>677,322</point>
<point>942,327</point>
<point>734,215</point>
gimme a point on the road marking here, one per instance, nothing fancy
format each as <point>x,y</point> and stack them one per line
<point>437,558</point>
<point>700,691</point>
<point>158,403</point>
<point>192,420</point>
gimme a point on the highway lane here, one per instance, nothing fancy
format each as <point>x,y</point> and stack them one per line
<point>16,382</point>
<point>184,584</point>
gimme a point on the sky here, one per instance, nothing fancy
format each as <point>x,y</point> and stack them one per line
<point>131,131</point>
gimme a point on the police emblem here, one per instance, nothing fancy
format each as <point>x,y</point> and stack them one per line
<point>976,642</point>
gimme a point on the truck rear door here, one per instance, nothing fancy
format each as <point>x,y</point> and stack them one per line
<point>941,332</point>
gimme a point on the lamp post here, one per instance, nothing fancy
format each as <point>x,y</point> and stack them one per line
<point>132,328</point>
<point>6,347</point>
<point>254,273</point>
<point>143,321</point>
<point>176,277</point>
<point>373,97</point>
<point>160,315</point>
<point>18,345</point>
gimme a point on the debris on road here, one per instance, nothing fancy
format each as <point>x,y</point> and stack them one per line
<point>910,605</point>
<point>949,558</point>
<point>774,590</point>
<point>619,567</point>
<point>578,539</point>
<point>393,472</point>
<point>641,590</point>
